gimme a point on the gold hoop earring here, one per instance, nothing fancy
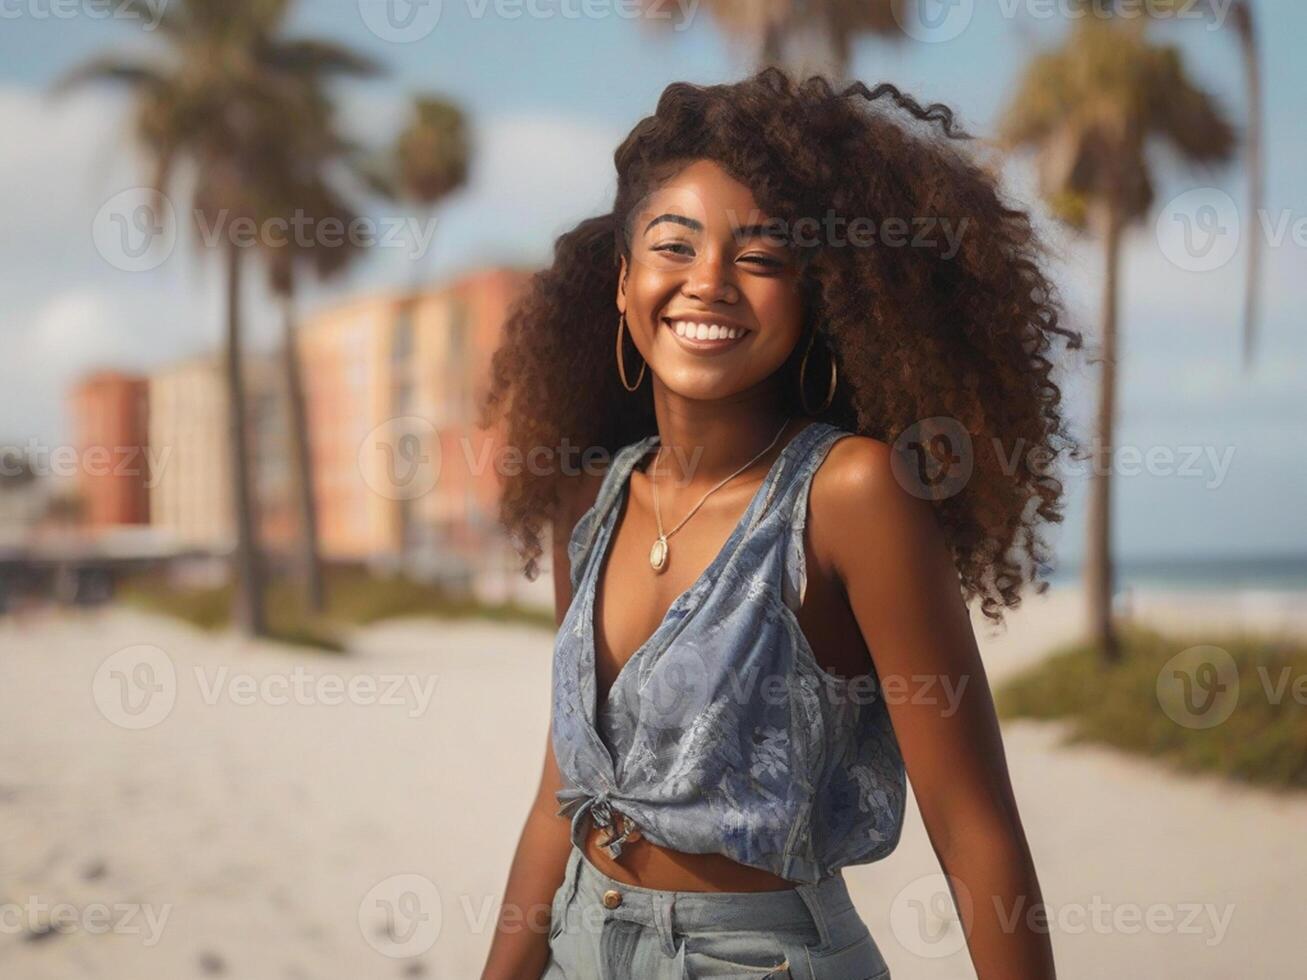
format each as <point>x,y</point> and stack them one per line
<point>803,368</point>
<point>621,367</point>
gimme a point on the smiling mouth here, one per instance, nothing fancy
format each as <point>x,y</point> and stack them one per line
<point>704,337</point>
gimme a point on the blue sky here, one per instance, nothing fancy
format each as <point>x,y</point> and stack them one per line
<point>549,97</point>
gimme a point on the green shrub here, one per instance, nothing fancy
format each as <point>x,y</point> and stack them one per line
<point>1261,741</point>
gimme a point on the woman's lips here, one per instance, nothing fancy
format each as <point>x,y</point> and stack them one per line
<point>689,335</point>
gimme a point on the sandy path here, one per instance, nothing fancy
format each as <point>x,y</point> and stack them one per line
<point>237,835</point>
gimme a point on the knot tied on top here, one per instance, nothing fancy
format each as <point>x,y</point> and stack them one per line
<point>578,802</point>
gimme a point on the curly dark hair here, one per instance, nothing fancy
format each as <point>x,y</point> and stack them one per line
<point>960,331</point>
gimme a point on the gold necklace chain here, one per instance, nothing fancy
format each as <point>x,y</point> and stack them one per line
<point>659,552</point>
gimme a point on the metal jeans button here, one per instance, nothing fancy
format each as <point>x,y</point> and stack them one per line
<point>612,898</point>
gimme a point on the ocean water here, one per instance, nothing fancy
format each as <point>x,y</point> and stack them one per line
<point>1272,574</point>
<point>1189,595</point>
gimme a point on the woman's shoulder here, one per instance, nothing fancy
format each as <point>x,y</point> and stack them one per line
<point>853,465</point>
<point>868,497</point>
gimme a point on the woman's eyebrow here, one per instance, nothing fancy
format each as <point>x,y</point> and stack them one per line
<point>768,230</point>
<point>675,219</point>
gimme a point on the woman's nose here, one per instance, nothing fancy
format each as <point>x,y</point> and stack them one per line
<point>709,280</point>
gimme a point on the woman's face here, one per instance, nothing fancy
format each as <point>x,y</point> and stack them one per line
<point>711,293</point>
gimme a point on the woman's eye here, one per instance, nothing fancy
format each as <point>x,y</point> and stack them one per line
<point>685,249</point>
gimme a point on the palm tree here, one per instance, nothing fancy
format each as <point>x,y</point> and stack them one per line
<point>798,36</point>
<point>297,184</point>
<point>214,99</point>
<point>1241,16</point>
<point>317,203</point>
<point>1090,109</point>
<point>429,160</point>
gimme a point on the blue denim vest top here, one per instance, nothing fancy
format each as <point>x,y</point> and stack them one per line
<point>722,734</point>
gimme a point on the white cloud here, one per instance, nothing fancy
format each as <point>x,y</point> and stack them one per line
<point>78,329</point>
<point>70,333</point>
<point>63,158</point>
<point>551,167</point>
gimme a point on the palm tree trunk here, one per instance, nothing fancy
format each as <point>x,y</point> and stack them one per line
<point>1099,565</point>
<point>814,48</point>
<point>310,562</point>
<point>1243,22</point>
<point>421,275</point>
<point>771,46</point>
<point>248,612</point>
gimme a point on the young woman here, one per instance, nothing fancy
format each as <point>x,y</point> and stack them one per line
<point>807,357</point>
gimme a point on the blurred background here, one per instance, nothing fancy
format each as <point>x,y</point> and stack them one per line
<point>273,684</point>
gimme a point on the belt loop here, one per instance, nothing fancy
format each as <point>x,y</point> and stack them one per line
<point>570,875</point>
<point>663,913</point>
<point>812,898</point>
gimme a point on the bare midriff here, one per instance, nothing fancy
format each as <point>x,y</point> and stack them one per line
<point>647,865</point>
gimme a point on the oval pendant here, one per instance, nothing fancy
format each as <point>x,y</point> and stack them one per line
<point>658,554</point>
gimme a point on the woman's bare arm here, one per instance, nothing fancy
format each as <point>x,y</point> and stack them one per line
<point>888,550</point>
<point>520,947</point>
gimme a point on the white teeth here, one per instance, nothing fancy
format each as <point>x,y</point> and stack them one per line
<point>705,331</point>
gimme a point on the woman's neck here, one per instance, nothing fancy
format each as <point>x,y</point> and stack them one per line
<point>702,447</point>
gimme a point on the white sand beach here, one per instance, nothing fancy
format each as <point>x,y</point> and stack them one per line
<point>272,813</point>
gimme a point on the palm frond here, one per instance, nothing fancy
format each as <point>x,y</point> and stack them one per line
<point>320,58</point>
<point>107,69</point>
<point>432,153</point>
<point>1189,118</point>
<point>1090,108</point>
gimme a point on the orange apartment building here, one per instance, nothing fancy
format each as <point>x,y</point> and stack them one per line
<point>402,477</point>
<point>391,384</point>
<point>110,416</point>
<point>190,496</point>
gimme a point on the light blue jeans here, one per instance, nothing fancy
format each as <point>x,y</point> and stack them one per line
<point>603,929</point>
